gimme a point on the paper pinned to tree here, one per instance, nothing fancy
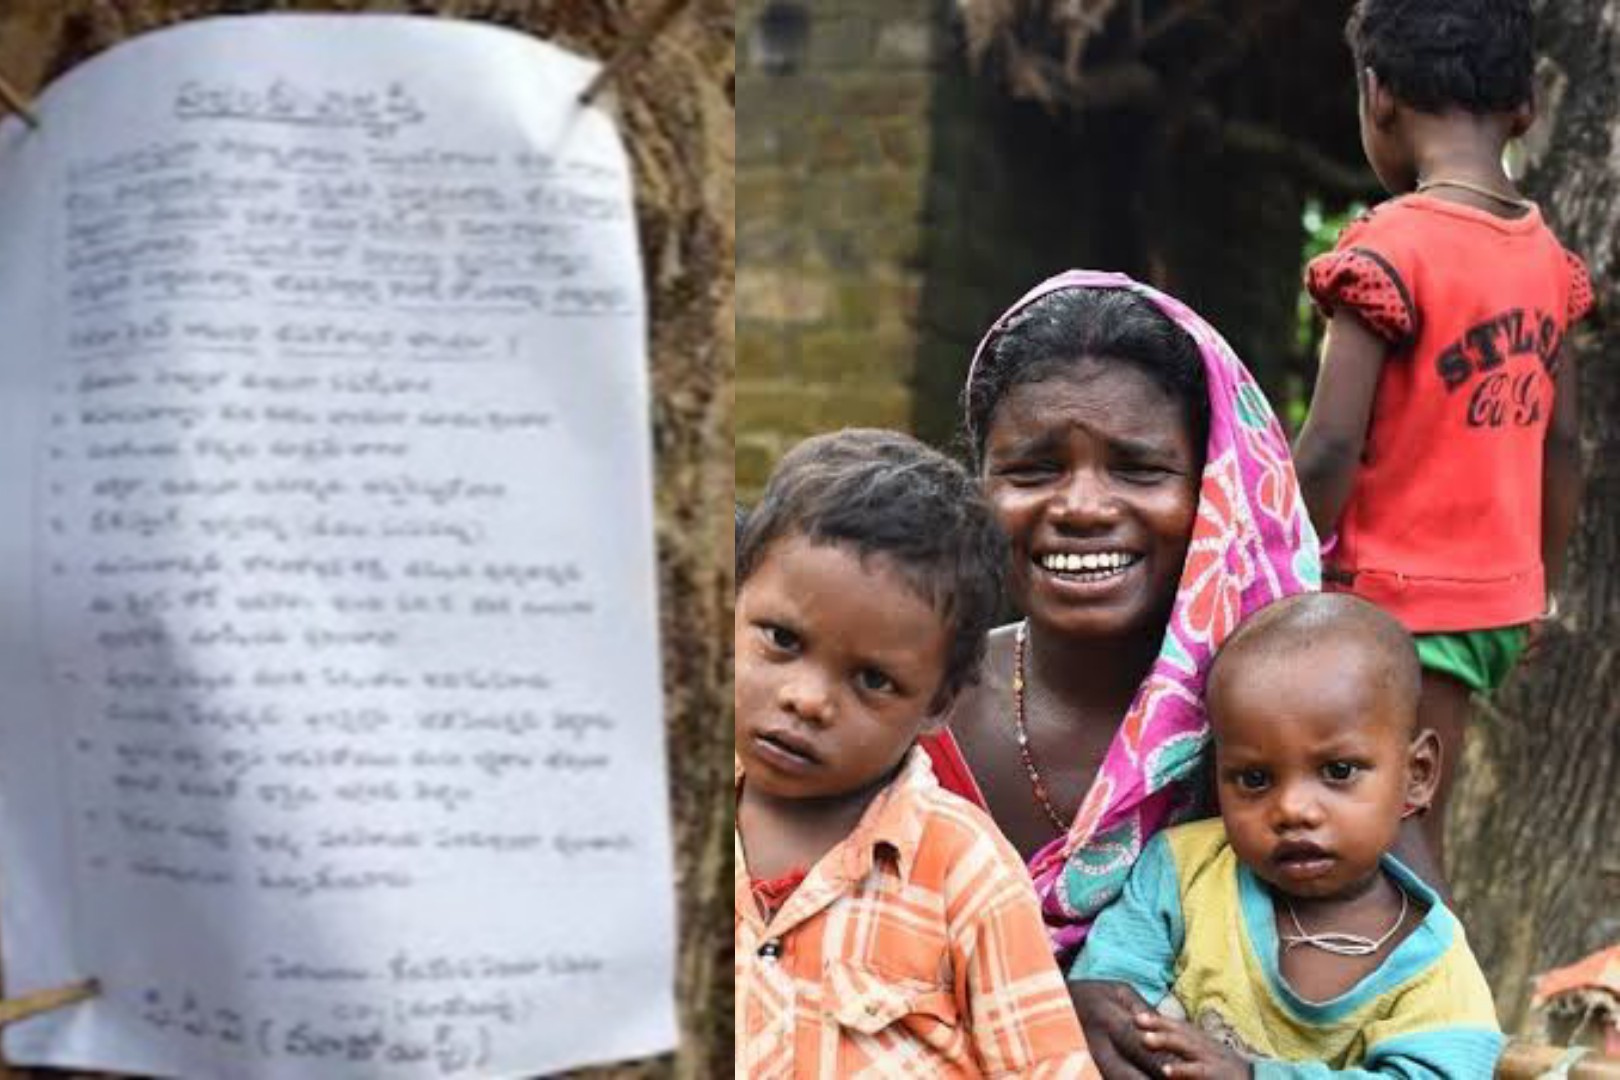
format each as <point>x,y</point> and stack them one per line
<point>330,735</point>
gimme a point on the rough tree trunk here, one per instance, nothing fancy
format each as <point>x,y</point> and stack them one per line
<point>677,104</point>
<point>1534,854</point>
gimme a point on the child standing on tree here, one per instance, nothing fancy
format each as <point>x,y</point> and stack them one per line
<point>1441,445</point>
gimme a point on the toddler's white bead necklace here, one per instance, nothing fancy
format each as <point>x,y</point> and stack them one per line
<point>1340,944</point>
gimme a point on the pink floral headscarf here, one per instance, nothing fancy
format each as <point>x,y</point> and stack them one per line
<point>1252,544</point>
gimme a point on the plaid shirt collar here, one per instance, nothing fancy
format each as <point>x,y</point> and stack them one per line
<point>891,826</point>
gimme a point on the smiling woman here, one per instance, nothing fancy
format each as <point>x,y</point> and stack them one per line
<point>1094,476</point>
<point>1148,496</point>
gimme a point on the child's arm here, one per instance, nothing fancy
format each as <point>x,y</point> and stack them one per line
<point>1441,1025</point>
<point>1443,1055</point>
<point>1108,1012</point>
<point>1560,471</point>
<point>1330,444</point>
<point>1127,965</point>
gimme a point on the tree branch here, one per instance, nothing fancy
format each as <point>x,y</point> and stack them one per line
<point>1171,19</point>
<point>1042,79</point>
<point>1312,164</point>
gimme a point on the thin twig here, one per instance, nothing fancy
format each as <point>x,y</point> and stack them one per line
<point>1170,20</point>
<point>1317,166</point>
<point>17,103</point>
<point>634,43</point>
<point>21,1008</point>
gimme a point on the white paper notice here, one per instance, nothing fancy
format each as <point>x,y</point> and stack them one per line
<point>330,734</point>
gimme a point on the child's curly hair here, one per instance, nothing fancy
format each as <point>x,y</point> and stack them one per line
<point>1434,55</point>
<point>885,494</point>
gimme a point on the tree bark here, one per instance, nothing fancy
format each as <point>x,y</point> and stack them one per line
<point>676,101</point>
<point>1534,862</point>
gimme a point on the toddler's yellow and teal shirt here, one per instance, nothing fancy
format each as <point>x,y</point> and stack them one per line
<point>1195,923</point>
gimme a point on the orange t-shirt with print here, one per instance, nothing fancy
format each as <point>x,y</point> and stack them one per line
<point>1443,523</point>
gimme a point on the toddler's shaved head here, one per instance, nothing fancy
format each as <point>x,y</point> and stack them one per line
<point>1314,629</point>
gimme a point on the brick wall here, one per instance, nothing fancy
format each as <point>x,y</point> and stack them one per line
<point>831,169</point>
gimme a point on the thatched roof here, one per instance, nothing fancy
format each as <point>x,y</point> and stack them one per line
<point>1022,34</point>
<point>1263,76</point>
<point>1101,53</point>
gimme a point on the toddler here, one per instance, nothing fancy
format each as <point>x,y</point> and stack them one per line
<point>1283,939</point>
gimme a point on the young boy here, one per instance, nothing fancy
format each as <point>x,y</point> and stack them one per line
<point>883,926</point>
<point>1441,445</point>
<point>1284,932</point>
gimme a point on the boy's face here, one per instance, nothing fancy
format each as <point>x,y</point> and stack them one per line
<point>838,667</point>
<point>1312,759</point>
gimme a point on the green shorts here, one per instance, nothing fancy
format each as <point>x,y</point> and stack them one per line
<point>1479,659</point>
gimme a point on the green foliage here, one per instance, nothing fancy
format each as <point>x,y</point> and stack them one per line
<point>1321,230</point>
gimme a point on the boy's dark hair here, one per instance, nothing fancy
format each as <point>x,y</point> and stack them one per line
<point>1060,329</point>
<point>883,493</point>
<point>1434,55</point>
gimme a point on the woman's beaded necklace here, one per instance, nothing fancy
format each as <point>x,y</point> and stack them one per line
<point>1035,781</point>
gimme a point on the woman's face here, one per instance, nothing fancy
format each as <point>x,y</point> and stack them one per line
<point>1094,478</point>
